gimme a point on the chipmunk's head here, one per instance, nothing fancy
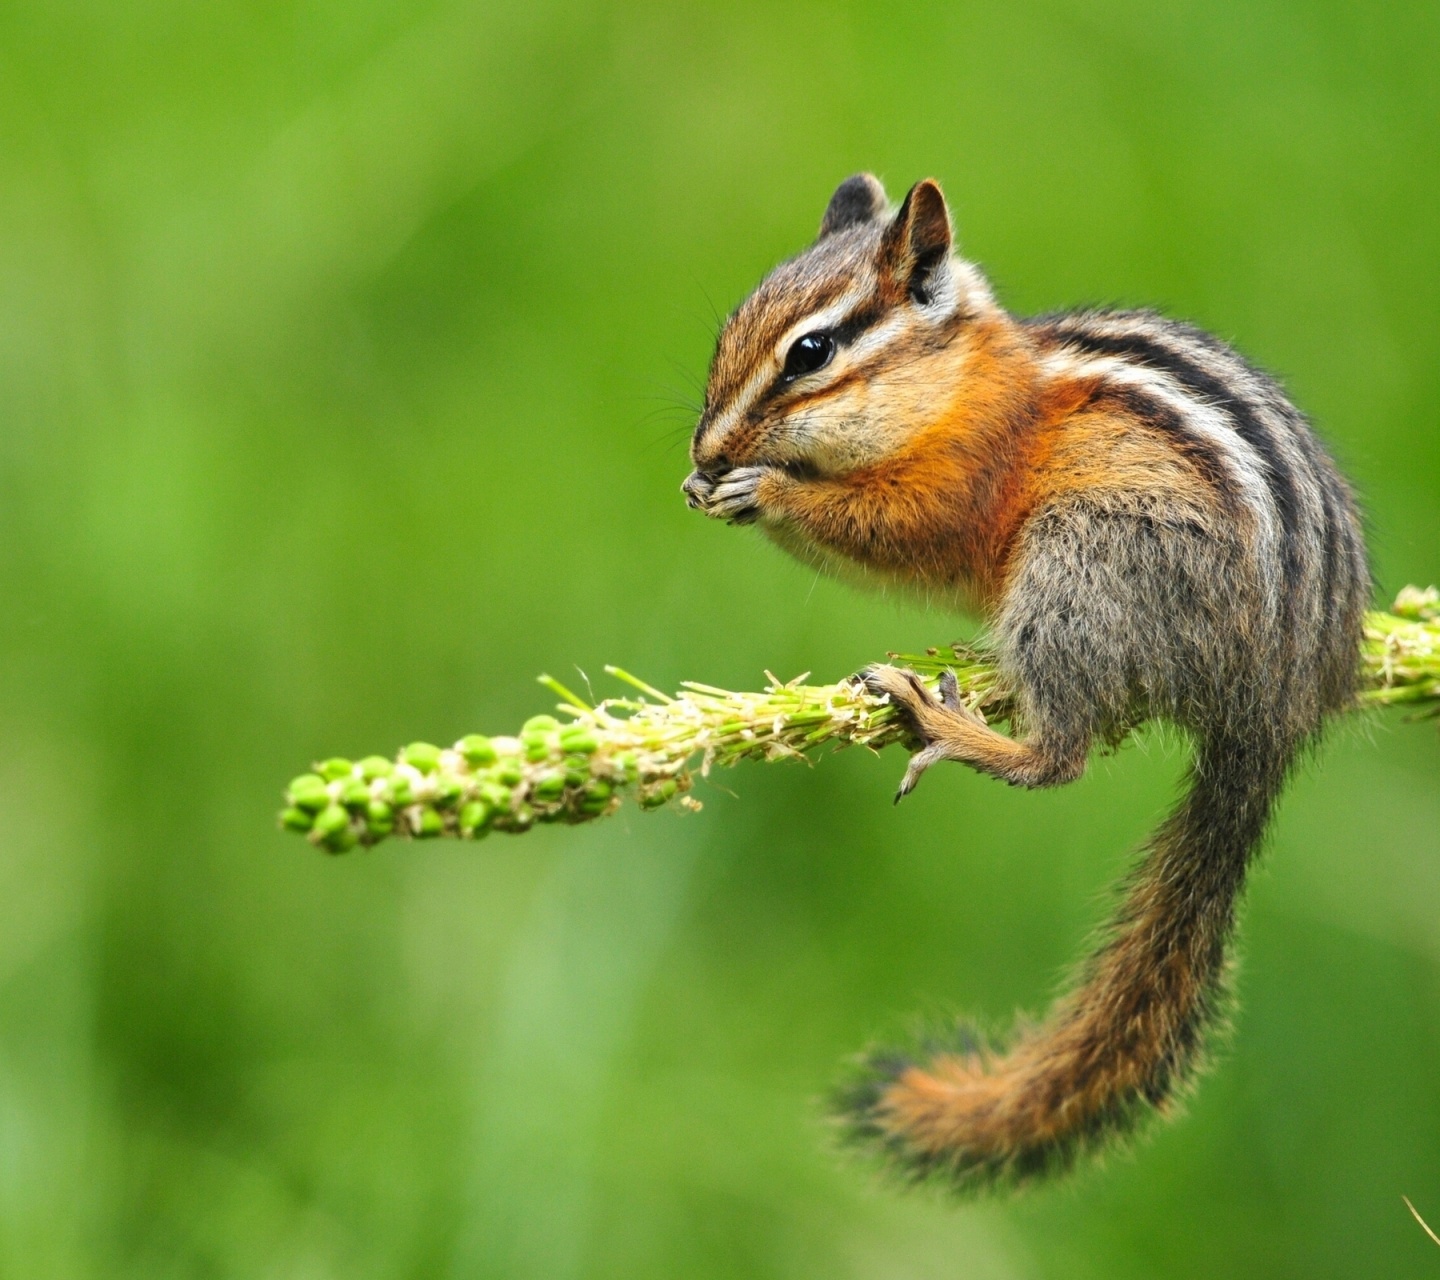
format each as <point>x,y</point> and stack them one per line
<point>829,364</point>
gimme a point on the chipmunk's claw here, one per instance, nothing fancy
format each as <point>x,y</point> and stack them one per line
<point>923,712</point>
<point>911,699</point>
<point>919,762</point>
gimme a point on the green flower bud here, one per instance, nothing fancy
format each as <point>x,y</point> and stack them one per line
<point>341,841</point>
<point>537,746</point>
<point>578,740</point>
<point>477,750</point>
<point>376,767</point>
<point>577,772</point>
<point>334,769</point>
<point>657,795</point>
<point>424,756</point>
<point>329,820</point>
<point>448,791</point>
<point>294,819</point>
<point>379,814</point>
<point>354,794</point>
<point>509,773</point>
<point>431,824</point>
<point>400,792</point>
<point>596,797</point>
<point>550,787</point>
<point>539,724</point>
<point>626,765</point>
<point>496,796</point>
<point>474,819</point>
<point>308,791</point>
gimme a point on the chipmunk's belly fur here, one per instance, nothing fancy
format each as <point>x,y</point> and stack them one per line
<point>962,594</point>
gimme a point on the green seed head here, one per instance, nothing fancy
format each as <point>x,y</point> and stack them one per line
<point>424,756</point>
<point>329,820</point>
<point>334,769</point>
<point>431,824</point>
<point>477,750</point>
<point>496,796</point>
<point>656,796</point>
<point>376,767</point>
<point>550,787</point>
<point>594,808</point>
<point>308,791</point>
<point>474,820</point>
<point>354,794</point>
<point>508,772</point>
<point>448,791</point>
<point>537,746</point>
<point>401,792</point>
<point>341,841</point>
<point>539,724</point>
<point>295,819</point>
<point>578,740</point>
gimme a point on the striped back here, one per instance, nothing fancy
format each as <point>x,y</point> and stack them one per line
<point>1237,423</point>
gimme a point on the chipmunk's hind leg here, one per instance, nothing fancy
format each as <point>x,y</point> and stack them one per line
<point>948,730</point>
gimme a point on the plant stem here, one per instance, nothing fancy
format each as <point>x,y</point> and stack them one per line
<point>650,747</point>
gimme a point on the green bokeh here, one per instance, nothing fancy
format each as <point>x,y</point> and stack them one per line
<point>344,356</point>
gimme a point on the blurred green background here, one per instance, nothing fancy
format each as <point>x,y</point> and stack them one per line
<point>344,359</point>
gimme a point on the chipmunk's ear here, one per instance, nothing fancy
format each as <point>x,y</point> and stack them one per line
<point>856,200</point>
<point>915,249</point>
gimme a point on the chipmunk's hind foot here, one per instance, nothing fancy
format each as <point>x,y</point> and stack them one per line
<point>936,720</point>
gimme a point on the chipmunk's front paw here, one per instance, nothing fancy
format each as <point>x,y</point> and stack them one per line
<point>733,495</point>
<point>931,718</point>
<point>736,495</point>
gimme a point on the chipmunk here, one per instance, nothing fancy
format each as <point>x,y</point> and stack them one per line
<point>1150,529</point>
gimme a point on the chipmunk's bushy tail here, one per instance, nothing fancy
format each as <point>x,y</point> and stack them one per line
<point>1124,1042</point>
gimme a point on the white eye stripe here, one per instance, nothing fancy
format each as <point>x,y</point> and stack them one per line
<point>830,317</point>
<point>872,339</point>
<point>865,345</point>
<point>760,382</point>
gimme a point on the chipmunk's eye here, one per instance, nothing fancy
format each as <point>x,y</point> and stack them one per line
<point>806,354</point>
